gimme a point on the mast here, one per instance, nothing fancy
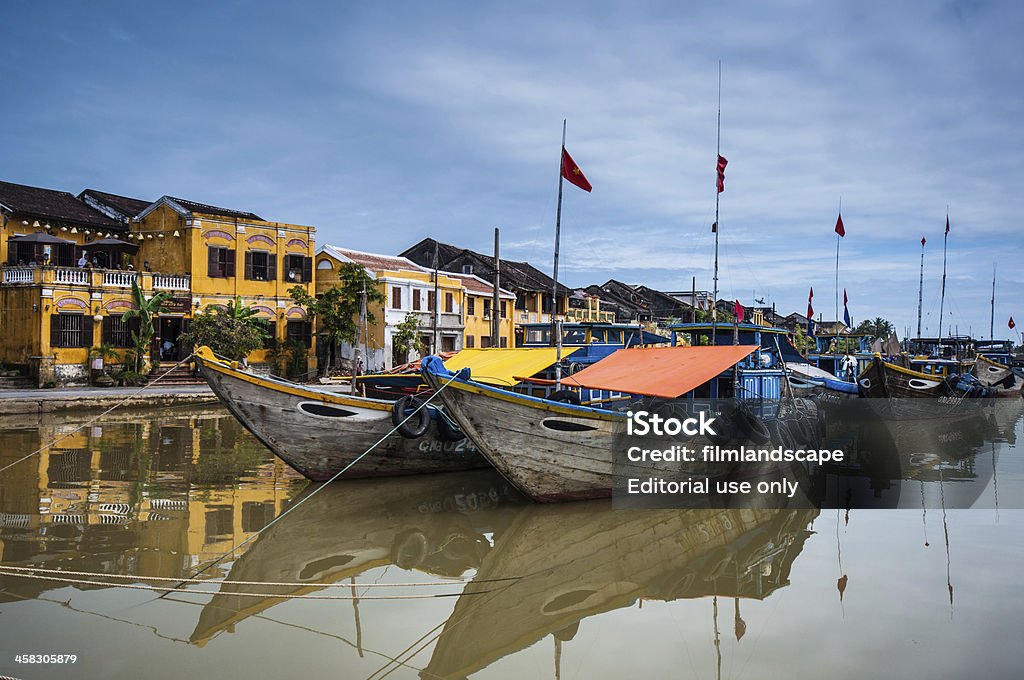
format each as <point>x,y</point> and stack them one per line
<point>555,326</point>
<point>920,290</point>
<point>718,154</point>
<point>356,352</point>
<point>942,299</point>
<point>496,300</point>
<point>992,318</point>
<point>839,238</point>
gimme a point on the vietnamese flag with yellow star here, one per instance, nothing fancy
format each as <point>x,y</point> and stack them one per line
<point>572,172</point>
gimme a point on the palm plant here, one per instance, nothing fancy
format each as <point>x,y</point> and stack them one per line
<point>146,310</point>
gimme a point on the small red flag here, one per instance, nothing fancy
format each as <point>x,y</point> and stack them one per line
<point>572,172</point>
<point>737,309</point>
<point>846,300</point>
<point>922,241</point>
<point>1011,324</point>
<point>810,309</point>
<point>721,173</point>
<point>947,224</point>
<point>840,229</point>
<point>714,227</point>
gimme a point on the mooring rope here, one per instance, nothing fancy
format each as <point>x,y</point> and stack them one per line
<point>297,584</point>
<point>105,413</point>
<point>178,589</point>
<point>322,486</point>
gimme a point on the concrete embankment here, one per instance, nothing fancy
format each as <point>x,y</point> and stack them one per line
<point>25,402</point>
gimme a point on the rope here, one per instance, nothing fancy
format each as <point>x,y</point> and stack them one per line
<point>93,420</point>
<point>300,584</point>
<point>323,485</point>
<point>132,586</point>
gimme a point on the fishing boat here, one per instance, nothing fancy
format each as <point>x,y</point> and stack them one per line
<point>320,432</point>
<point>556,451</point>
<point>905,393</point>
<point>998,377</point>
<point>558,566</point>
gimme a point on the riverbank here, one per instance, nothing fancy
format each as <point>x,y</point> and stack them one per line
<point>33,401</point>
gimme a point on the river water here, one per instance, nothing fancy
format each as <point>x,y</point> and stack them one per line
<point>453,576</point>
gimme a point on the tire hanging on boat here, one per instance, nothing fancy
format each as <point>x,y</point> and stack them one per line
<point>417,425</point>
<point>567,396</point>
<point>752,426</point>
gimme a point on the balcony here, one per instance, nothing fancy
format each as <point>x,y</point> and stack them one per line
<point>95,279</point>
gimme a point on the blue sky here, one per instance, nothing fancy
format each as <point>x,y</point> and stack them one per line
<point>385,123</point>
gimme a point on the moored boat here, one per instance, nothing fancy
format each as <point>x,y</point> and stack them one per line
<point>997,376</point>
<point>905,393</point>
<point>320,432</point>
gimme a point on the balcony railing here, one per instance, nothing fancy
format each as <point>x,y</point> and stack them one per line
<point>119,279</point>
<point>75,277</point>
<point>171,282</point>
<point>14,275</point>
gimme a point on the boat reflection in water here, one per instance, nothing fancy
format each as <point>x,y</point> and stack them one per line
<point>433,524</point>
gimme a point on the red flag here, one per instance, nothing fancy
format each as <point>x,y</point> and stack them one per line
<point>714,227</point>
<point>840,229</point>
<point>922,241</point>
<point>947,224</point>
<point>721,173</point>
<point>572,172</point>
<point>1012,325</point>
<point>737,309</point>
<point>810,309</point>
<point>846,300</point>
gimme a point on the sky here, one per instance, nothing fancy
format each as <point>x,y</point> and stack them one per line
<point>384,123</point>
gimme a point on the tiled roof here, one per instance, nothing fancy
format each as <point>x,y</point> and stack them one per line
<point>49,204</point>
<point>474,284</point>
<point>129,207</point>
<point>373,262</point>
<point>206,209</point>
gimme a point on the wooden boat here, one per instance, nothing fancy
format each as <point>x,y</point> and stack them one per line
<point>810,381</point>
<point>319,432</point>
<point>566,564</point>
<point>997,376</point>
<point>432,524</point>
<point>901,392</point>
<point>553,451</point>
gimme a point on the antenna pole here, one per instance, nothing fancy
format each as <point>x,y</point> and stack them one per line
<point>718,152</point>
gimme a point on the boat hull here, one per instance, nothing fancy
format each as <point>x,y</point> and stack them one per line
<point>320,433</point>
<point>1001,378</point>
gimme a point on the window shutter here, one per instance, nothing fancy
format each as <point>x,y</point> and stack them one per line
<point>229,262</point>
<point>134,325</point>
<point>87,325</point>
<point>307,333</point>
<point>449,303</point>
<point>307,270</point>
<point>248,264</point>
<point>213,262</point>
<point>271,267</point>
<point>108,325</point>
<point>55,331</point>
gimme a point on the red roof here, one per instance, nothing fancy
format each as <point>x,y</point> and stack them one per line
<point>373,261</point>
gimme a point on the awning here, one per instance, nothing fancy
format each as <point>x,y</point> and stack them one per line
<point>500,366</point>
<point>668,372</point>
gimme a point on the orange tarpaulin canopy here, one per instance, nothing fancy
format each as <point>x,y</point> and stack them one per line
<point>668,372</point>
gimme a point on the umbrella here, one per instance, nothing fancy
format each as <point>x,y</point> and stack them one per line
<point>41,238</point>
<point>113,245</point>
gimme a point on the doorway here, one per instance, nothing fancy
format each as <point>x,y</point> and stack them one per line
<point>170,329</point>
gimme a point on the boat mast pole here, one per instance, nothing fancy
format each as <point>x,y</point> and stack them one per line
<point>436,302</point>
<point>942,299</point>
<point>992,318</point>
<point>555,327</point>
<point>356,353</point>
<point>718,153</point>
<point>920,290</point>
<point>838,240</point>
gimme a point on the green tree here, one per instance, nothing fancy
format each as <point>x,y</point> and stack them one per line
<point>878,328</point>
<point>803,342</point>
<point>145,311</point>
<point>338,308</point>
<point>407,336</point>
<point>232,331</point>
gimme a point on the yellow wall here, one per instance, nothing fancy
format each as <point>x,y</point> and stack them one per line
<point>478,326</point>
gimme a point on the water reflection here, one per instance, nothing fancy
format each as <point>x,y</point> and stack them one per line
<point>153,495</point>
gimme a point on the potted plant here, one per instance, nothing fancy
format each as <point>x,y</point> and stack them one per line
<point>97,359</point>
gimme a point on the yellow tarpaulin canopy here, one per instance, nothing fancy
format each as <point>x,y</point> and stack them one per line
<point>501,366</point>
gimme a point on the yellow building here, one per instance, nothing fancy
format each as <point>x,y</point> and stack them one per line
<point>70,264</point>
<point>479,297</point>
<point>408,289</point>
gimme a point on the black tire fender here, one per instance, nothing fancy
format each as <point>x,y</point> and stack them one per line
<point>417,425</point>
<point>567,396</point>
<point>753,427</point>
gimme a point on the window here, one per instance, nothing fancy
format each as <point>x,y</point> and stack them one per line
<point>430,300</point>
<point>297,269</point>
<point>485,341</point>
<point>117,332</point>
<point>504,309</point>
<point>270,328</point>
<point>221,262</point>
<point>416,299</point>
<point>471,306</point>
<point>467,269</point>
<point>396,297</point>
<point>521,303</point>
<point>260,265</point>
<point>487,308</point>
<point>470,342</point>
<point>449,303</point>
<point>70,330</point>
<point>503,342</point>
<point>447,343</point>
<point>301,332</point>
